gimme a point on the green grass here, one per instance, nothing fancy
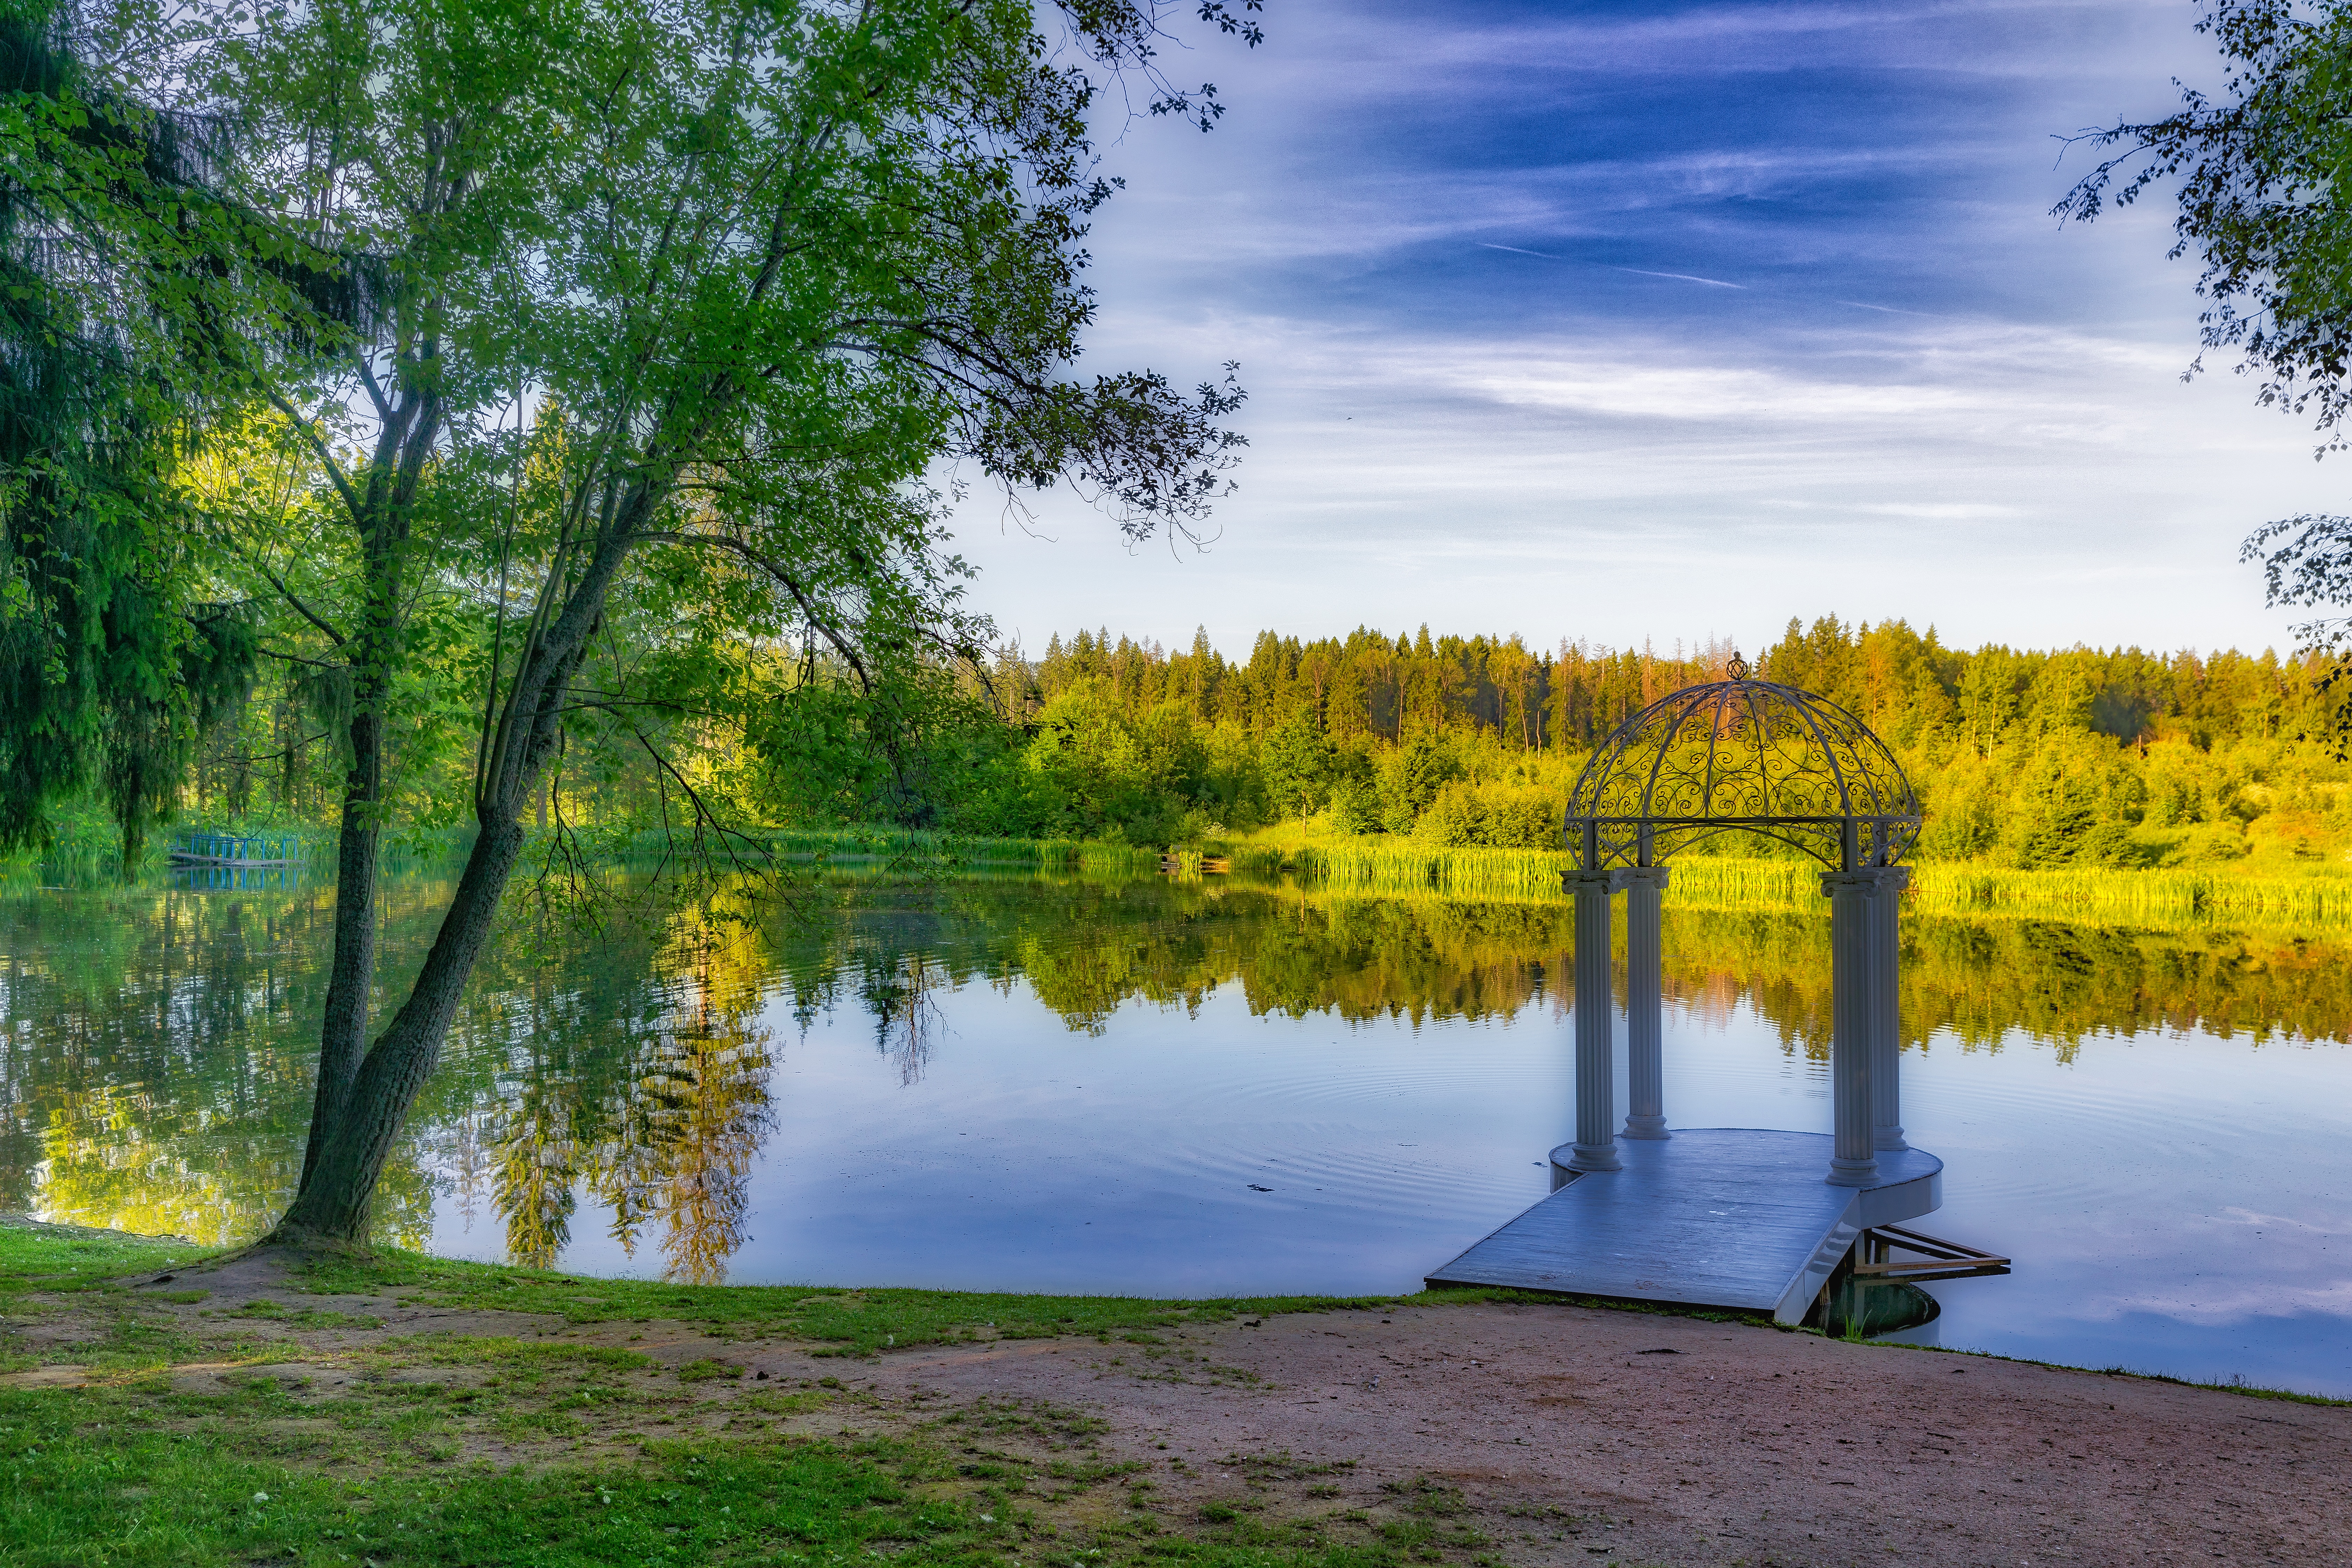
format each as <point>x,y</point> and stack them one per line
<point>164,1485</point>
<point>65,1257</point>
<point>2094,896</point>
<point>841,1322</point>
<point>440,1450</point>
<point>1402,866</point>
<point>95,856</point>
<point>453,1450</point>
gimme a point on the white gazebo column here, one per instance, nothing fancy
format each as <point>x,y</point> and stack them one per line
<point>1596,1089</point>
<point>1645,1080</point>
<point>1887,1008</point>
<point>1852,1160</point>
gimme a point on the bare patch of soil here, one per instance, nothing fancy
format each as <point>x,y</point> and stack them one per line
<point>1568,1434</point>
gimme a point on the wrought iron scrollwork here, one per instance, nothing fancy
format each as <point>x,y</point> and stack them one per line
<point>1744,756</point>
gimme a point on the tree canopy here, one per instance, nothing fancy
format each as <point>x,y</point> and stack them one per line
<point>107,667</point>
<point>2263,180</point>
<point>542,361</point>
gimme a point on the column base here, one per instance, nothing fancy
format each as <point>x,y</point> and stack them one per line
<point>1853,1173</point>
<point>1646,1128</point>
<point>1890,1140</point>
<point>1595,1157</point>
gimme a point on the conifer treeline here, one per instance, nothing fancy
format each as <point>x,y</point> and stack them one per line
<point>1905,684</point>
<point>2077,756</point>
<point>1364,685</point>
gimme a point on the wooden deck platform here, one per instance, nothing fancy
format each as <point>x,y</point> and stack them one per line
<point>1720,1216</point>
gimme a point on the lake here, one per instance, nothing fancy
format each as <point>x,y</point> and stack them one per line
<point>1193,1088</point>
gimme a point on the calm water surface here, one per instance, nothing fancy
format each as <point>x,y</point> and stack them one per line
<point>1185,1089</point>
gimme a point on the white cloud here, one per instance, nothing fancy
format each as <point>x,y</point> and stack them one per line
<point>1925,401</point>
<point>2000,483</point>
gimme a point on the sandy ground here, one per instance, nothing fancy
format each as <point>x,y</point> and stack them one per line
<point>1676,1441</point>
<point>1577,1436</point>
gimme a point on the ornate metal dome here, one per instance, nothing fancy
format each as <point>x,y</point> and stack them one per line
<point>1742,754</point>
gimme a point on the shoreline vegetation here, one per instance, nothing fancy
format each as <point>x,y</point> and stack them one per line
<point>2173,788</point>
<point>39,1257</point>
<point>2318,896</point>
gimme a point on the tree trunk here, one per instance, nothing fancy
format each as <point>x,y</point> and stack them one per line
<point>363,1099</point>
<point>288,798</point>
<point>350,1151</point>
<point>342,1036</point>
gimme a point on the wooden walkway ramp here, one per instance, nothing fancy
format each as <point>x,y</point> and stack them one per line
<point>1719,1217</point>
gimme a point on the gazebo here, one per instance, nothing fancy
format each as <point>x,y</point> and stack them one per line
<point>1733,1217</point>
<point>1742,755</point>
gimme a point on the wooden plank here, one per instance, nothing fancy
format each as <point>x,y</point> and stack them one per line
<point>1941,1260</point>
<point>1731,1218</point>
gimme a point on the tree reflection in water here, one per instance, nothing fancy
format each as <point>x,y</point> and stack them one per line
<point>900,990</point>
<point>155,1044</point>
<point>638,1071</point>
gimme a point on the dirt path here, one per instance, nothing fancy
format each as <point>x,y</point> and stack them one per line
<point>1559,1435</point>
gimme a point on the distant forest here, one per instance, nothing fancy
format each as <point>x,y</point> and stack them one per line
<point>2077,756</point>
<point>1900,682</point>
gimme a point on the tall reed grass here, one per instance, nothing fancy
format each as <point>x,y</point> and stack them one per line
<point>2175,896</point>
<point>2158,896</point>
<point>2320,898</point>
<point>2098,896</point>
<point>88,853</point>
<point>1403,866</point>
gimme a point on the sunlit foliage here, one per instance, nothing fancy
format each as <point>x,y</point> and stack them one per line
<point>2071,757</point>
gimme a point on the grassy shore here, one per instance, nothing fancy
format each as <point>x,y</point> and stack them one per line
<point>152,1420</point>
<point>2243,893</point>
<point>2250,895</point>
<point>2246,894</point>
<point>156,1408</point>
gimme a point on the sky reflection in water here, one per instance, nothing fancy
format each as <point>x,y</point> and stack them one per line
<point>1194,1091</point>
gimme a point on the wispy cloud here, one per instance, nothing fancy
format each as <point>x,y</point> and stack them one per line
<point>1879,347</point>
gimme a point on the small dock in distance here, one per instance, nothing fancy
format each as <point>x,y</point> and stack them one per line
<point>1733,1218</point>
<point>235,850</point>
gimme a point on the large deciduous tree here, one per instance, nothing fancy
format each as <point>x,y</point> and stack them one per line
<point>606,335</point>
<point>629,328</point>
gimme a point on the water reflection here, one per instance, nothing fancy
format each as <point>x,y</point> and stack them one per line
<point>676,1092</point>
<point>150,1057</point>
<point>634,1071</point>
<point>234,879</point>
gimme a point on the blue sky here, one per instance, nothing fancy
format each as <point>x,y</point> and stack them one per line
<point>1675,321</point>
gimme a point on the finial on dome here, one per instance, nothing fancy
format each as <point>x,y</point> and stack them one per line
<point>1737,667</point>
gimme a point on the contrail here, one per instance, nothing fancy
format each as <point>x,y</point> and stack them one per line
<point>1681,278</point>
<point>1643,271</point>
